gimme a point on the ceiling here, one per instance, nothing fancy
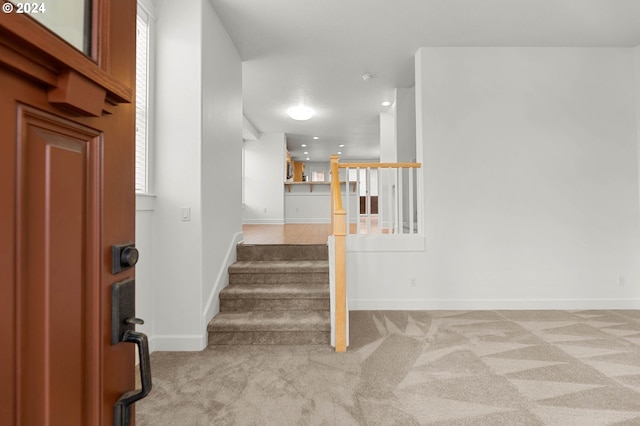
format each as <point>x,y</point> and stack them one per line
<point>316,51</point>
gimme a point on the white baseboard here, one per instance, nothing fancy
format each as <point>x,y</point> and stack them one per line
<point>152,346</point>
<point>180,343</point>
<point>490,304</point>
<point>279,221</point>
<point>308,220</point>
<point>212,306</point>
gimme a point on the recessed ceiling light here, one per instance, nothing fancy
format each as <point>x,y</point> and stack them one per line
<point>304,145</point>
<point>308,158</point>
<point>316,137</point>
<point>386,104</point>
<point>306,152</point>
<point>300,112</point>
<point>341,145</point>
<point>339,152</point>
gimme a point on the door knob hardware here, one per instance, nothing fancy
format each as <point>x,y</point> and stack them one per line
<point>123,256</point>
<point>134,321</point>
<point>123,329</point>
<point>122,409</point>
<point>129,256</point>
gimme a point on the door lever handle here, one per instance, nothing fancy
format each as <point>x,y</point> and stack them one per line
<point>123,329</point>
<point>134,321</point>
<point>122,409</point>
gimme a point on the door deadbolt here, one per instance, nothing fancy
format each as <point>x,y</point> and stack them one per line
<point>124,256</point>
<point>129,256</point>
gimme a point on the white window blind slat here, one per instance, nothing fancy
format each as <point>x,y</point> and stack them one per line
<point>142,53</point>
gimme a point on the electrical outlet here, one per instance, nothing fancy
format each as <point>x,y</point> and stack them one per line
<point>621,281</point>
<point>265,210</point>
<point>412,282</point>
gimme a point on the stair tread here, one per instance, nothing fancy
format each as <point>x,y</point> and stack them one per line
<point>271,321</point>
<point>275,291</point>
<point>282,252</point>
<point>279,266</point>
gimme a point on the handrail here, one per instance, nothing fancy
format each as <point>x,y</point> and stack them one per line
<point>380,165</point>
<point>339,231</point>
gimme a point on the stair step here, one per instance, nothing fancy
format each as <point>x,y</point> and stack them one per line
<point>273,305</point>
<point>278,267</point>
<point>265,252</point>
<point>270,321</point>
<point>270,338</point>
<point>272,272</point>
<point>274,297</point>
<point>270,328</point>
<point>275,291</point>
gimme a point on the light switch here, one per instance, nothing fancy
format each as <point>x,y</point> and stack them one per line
<point>186,214</point>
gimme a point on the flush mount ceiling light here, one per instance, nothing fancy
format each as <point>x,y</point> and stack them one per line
<point>306,152</point>
<point>304,145</point>
<point>341,145</point>
<point>316,137</point>
<point>386,104</point>
<point>300,112</point>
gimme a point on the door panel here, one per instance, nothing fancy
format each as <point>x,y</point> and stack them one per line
<point>57,163</point>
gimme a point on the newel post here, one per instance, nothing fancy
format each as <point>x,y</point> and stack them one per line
<point>339,231</point>
<point>335,179</point>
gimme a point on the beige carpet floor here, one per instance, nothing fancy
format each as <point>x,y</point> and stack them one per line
<point>416,368</point>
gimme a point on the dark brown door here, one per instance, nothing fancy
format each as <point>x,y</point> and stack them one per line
<point>66,196</point>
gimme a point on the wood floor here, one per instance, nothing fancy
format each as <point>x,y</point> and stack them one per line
<point>302,233</point>
<point>291,233</point>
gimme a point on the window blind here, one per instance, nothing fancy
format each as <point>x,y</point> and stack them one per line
<point>142,54</point>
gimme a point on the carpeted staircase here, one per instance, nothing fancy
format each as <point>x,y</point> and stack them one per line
<point>277,295</point>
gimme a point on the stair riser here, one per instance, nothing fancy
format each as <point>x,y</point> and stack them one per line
<point>237,305</point>
<point>270,338</point>
<point>286,278</point>
<point>285,252</point>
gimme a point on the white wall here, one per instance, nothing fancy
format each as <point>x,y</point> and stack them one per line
<point>197,165</point>
<point>145,202</point>
<point>406,137</point>
<point>304,206</point>
<point>530,181</point>
<point>264,175</point>
<point>144,267</point>
<point>388,154</point>
<point>388,142</point>
<point>177,245</point>
<point>317,166</point>
<point>398,128</point>
<point>222,124</point>
<point>406,124</point>
<point>636,52</point>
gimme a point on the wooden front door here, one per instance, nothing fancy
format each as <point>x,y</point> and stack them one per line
<point>66,196</point>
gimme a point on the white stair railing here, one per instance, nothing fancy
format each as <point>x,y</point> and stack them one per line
<point>386,198</point>
<point>392,205</point>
